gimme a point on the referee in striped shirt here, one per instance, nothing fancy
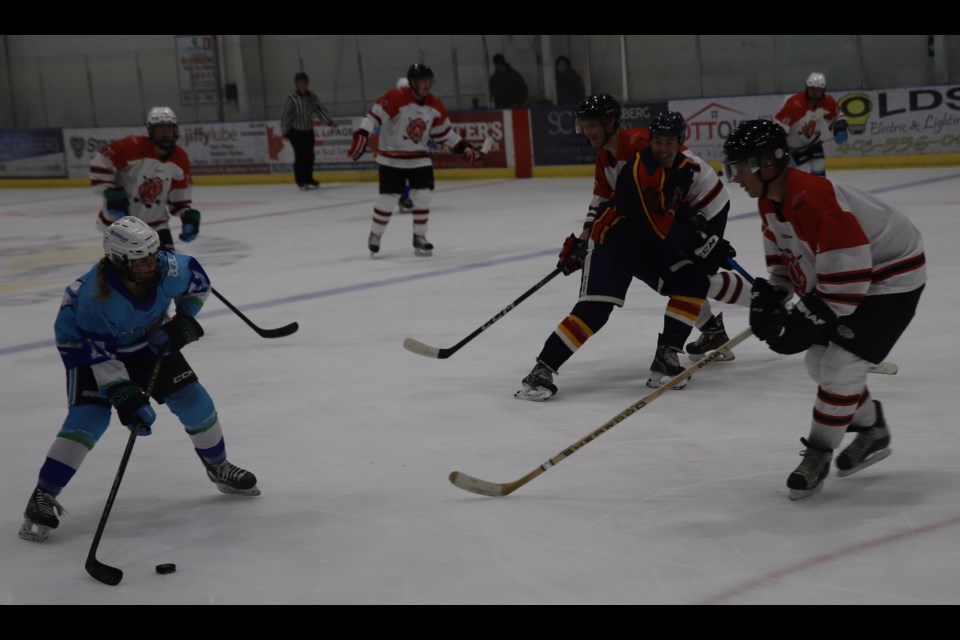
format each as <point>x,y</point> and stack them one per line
<point>296,121</point>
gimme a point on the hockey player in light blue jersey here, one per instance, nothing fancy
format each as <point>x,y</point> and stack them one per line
<point>112,326</point>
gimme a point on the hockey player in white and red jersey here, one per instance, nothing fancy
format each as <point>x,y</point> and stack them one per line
<point>408,117</point>
<point>808,117</point>
<point>147,177</point>
<point>859,268</point>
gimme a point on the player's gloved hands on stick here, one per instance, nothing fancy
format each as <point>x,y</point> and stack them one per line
<point>180,331</point>
<point>468,151</point>
<point>360,141</point>
<point>133,407</point>
<point>767,313</point>
<point>713,250</point>
<point>572,253</point>
<point>809,322</point>
<point>117,203</point>
<point>191,225</point>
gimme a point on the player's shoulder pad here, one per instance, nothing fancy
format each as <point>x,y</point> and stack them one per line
<point>807,189</point>
<point>180,158</point>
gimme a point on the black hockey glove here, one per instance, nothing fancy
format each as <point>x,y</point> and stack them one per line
<point>767,313</point>
<point>810,322</point>
<point>132,407</point>
<point>180,331</point>
<point>572,254</point>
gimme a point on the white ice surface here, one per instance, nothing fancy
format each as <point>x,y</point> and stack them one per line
<point>352,437</point>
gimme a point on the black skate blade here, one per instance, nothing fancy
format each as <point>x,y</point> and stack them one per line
<point>876,457</point>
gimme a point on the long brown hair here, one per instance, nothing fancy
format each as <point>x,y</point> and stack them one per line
<point>103,289</point>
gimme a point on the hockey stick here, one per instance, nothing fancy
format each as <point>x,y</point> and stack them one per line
<point>884,368</point>
<point>105,573</point>
<point>475,485</point>
<point>433,352</point>
<point>279,332</point>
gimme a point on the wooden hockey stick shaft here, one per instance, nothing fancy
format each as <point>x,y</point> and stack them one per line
<point>475,485</point>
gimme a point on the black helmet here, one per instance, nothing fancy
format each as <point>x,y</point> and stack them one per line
<point>669,123</point>
<point>756,140</point>
<point>599,106</point>
<point>301,76</point>
<point>419,72</point>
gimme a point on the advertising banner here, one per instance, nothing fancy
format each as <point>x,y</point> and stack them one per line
<point>711,120</point>
<point>81,145</point>
<point>556,141</point>
<point>31,153</point>
<point>197,69</point>
<point>226,147</point>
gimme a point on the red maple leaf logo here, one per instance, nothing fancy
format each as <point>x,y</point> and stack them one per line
<point>274,144</point>
<point>416,128</point>
<point>150,188</point>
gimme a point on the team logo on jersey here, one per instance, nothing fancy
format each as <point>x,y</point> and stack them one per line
<point>416,128</point>
<point>150,188</point>
<point>797,277</point>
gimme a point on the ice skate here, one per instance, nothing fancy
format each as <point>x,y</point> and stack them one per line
<point>537,385</point>
<point>373,244</point>
<point>421,247</point>
<point>40,516</point>
<point>665,366</point>
<point>712,336</point>
<point>871,445</point>
<point>807,479</point>
<point>232,480</point>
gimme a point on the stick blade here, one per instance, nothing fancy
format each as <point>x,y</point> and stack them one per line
<point>417,347</point>
<point>885,368</point>
<point>103,573</point>
<point>279,332</point>
<point>475,485</point>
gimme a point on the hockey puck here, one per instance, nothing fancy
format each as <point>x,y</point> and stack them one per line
<point>166,568</point>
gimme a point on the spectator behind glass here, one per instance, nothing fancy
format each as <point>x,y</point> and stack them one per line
<point>569,83</point>
<point>507,87</point>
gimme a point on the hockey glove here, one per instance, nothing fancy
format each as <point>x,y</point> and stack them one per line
<point>809,322</point>
<point>191,225</point>
<point>360,140</point>
<point>713,250</point>
<point>117,203</point>
<point>572,254</point>
<point>840,131</point>
<point>468,151</point>
<point>175,334</point>
<point>132,406</point>
<point>767,313</point>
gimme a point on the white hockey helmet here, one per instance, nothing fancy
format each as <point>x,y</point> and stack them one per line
<point>163,115</point>
<point>817,81</point>
<point>130,239</point>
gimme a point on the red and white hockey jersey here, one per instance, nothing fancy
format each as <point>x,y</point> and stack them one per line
<point>839,241</point>
<point>406,125</point>
<point>155,188</point>
<point>808,123</point>
<point>630,142</point>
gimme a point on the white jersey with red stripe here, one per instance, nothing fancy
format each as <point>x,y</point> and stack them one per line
<point>630,142</point>
<point>808,122</point>
<point>156,188</point>
<point>840,242</point>
<point>406,126</point>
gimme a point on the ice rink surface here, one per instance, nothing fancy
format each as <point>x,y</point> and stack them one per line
<point>352,437</point>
